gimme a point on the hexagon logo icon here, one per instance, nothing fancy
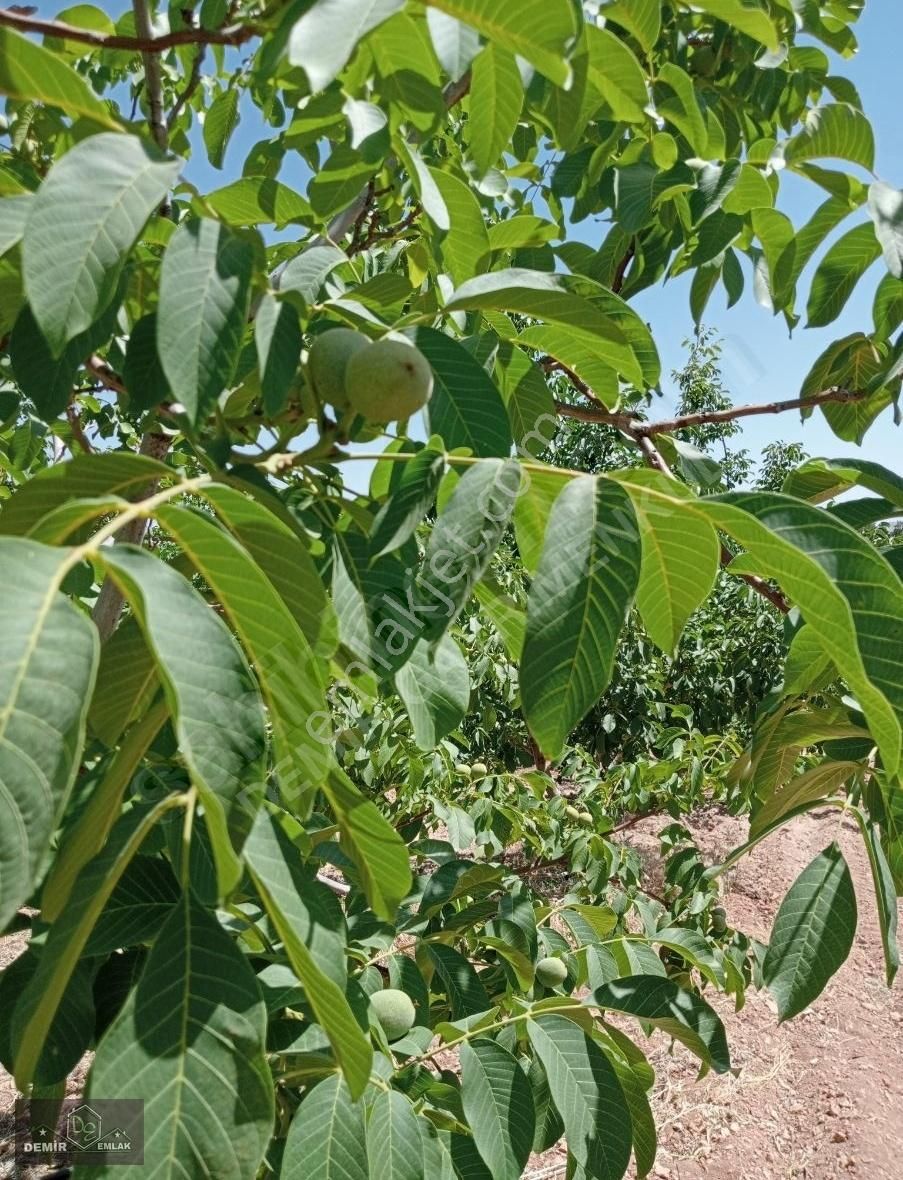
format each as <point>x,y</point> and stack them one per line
<point>83,1126</point>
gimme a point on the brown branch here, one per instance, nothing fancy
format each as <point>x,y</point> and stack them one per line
<point>26,22</point>
<point>617,282</point>
<point>194,80</point>
<point>75,426</point>
<point>153,76</point>
<point>632,424</point>
<point>109,379</point>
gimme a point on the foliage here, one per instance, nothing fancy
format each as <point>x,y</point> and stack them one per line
<point>225,753</point>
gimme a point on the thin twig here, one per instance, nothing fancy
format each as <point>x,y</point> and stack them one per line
<point>145,42</point>
<point>75,426</point>
<point>194,80</point>
<point>153,77</point>
<point>107,376</point>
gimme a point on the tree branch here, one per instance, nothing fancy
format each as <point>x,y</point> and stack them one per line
<point>194,80</point>
<point>633,425</point>
<point>153,76</point>
<point>145,42</point>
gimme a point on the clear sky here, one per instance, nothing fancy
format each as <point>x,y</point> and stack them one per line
<point>761,362</point>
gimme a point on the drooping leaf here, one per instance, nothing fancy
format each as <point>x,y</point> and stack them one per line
<point>46,679</point>
<point>435,687</point>
<point>676,1010</point>
<point>496,97</point>
<point>751,21</point>
<point>837,130</point>
<point>85,218</point>
<point>463,541</point>
<point>204,295</point>
<point>326,1138</point>
<point>466,409</point>
<point>584,584</point>
<point>394,1146</point>
<point>323,40</point>
<point>589,1098</point>
<point>411,498</point>
<point>216,708</point>
<point>537,30</point>
<point>32,73</point>
<point>498,1103</point>
<point>812,933</point>
<point>839,272</point>
<point>886,208</point>
<point>311,925</point>
<point>190,1043</point>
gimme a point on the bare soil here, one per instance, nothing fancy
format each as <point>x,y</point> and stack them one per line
<point>820,1097</point>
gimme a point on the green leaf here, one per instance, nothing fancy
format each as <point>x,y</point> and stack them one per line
<point>46,679</point>
<point>583,588</point>
<point>496,98</point>
<point>84,477</point>
<point>13,215</point>
<point>837,130</point>
<point>325,37</point>
<point>588,1095</point>
<point>555,298</point>
<point>498,1103</point>
<point>676,102</point>
<point>642,18</point>
<point>681,555</point>
<point>290,676</point>
<point>463,541</point>
<point>812,933</point>
<point>839,272</point>
<point>137,908</point>
<point>412,497</point>
<point>435,687</point>
<point>677,1011</point>
<point>814,784</point>
<point>126,682</point>
<point>844,588</point>
<point>283,556</point>
<point>85,219</point>
<point>455,43</point>
<point>531,514</point>
<point>886,208</point>
<point>885,896</point>
<point>466,409</point>
<point>311,924</point>
<point>465,991</point>
<point>204,295</point>
<point>339,181</point>
<point>221,120</point>
<point>539,30</point>
<point>394,1145</point>
<point>31,73</point>
<point>259,200</point>
<point>277,335</point>
<point>216,709</point>
<point>40,1001</point>
<point>751,21</point>
<point>190,1043</point>
<point>531,407</point>
<point>309,270</point>
<point>466,244</point>
<point>143,371</point>
<point>613,70</point>
<point>379,853</point>
<point>326,1138</point>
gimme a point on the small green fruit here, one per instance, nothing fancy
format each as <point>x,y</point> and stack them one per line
<point>572,812</point>
<point>586,819</point>
<point>719,919</point>
<point>479,770</point>
<point>551,972</point>
<point>464,770</point>
<point>394,1011</point>
<point>388,381</point>
<point>327,363</point>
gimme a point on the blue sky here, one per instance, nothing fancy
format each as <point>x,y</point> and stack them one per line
<point>761,361</point>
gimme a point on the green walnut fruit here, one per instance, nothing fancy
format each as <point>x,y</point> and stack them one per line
<point>551,972</point>
<point>328,360</point>
<point>464,770</point>
<point>394,1011</point>
<point>585,819</point>
<point>388,381</point>
<point>719,919</point>
<point>479,770</point>
<point>572,812</point>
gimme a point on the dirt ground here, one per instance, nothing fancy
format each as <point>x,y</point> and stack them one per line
<point>820,1097</point>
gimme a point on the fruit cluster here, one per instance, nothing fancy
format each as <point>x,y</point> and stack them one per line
<point>381,380</point>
